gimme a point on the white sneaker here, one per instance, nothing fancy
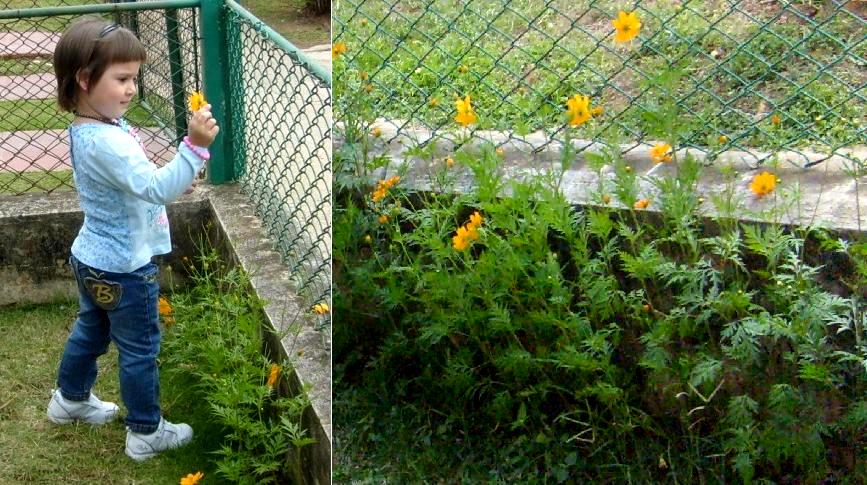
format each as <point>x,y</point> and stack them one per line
<point>92,411</point>
<point>168,436</point>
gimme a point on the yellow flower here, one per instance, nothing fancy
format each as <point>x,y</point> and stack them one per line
<point>322,308</point>
<point>461,240</point>
<point>362,75</point>
<point>463,69</point>
<point>383,219</point>
<point>376,132</point>
<point>597,111</point>
<point>775,119</point>
<point>368,88</point>
<point>383,185</point>
<point>367,239</point>
<point>466,114</point>
<point>165,306</point>
<point>468,232</point>
<point>578,109</point>
<point>606,199</point>
<point>450,161</point>
<point>192,478</point>
<point>626,25</point>
<point>197,101</point>
<point>273,375</point>
<point>763,184</point>
<point>337,49</point>
<point>661,152</point>
<point>433,102</point>
<point>460,243</point>
<point>165,311</point>
<point>641,204</point>
<point>722,139</point>
<point>501,152</point>
<point>476,219</point>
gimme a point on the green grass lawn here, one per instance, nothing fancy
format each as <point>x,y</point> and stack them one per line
<point>289,18</point>
<point>32,449</point>
<point>520,61</point>
<point>38,181</point>
<point>22,67</point>
<point>51,24</point>
<point>43,114</point>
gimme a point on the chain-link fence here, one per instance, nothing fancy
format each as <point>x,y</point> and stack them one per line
<point>278,105</point>
<point>744,74</point>
<point>34,150</point>
<point>281,122</point>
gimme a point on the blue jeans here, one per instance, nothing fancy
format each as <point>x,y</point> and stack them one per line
<point>120,308</point>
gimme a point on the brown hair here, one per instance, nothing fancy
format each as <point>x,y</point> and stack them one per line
<point>89,46</point>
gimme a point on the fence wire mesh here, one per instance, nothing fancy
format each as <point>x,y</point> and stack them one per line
<point>282,149</point>
<point>34,150</point>
<point>754,75</point>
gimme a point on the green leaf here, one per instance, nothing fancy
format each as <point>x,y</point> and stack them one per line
<point>705,372</point>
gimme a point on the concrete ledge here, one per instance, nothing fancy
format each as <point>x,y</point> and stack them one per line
<point>36,233</point>
<point>829,195</point>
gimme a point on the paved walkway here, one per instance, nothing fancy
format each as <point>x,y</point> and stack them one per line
<point>29,44</point>
<point>32,86</point>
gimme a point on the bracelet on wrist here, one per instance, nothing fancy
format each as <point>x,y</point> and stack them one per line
<point>200,152</point>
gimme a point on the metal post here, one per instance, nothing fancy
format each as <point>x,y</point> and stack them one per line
<point>177,74</point>
<point>214,66</point>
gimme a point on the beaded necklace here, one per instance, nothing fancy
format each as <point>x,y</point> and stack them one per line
<point>97,118</point>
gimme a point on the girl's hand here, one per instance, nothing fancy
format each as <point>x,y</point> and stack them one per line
<point>203,127</point>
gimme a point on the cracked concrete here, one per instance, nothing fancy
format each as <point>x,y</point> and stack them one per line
<point>36,233</point>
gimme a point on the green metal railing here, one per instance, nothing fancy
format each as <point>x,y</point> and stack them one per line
<point>745,75</point>
<point>281,143</point>
<point>272,102</point>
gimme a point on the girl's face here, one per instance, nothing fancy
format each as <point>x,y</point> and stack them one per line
<point>111,95</point>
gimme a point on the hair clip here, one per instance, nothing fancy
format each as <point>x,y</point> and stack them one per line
<point>108,29</point>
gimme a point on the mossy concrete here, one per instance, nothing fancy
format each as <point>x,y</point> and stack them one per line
<point>829,195</point>
<point>36,233</point>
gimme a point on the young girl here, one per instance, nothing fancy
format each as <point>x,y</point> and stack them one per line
<point>122,195</point>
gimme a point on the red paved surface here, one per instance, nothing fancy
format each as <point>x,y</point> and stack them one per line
<point>33,86</point>
<point>24,151</point>
<point>27,44</point>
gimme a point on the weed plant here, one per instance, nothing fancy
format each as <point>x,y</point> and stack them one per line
<point>517,338</point>
<point>214,347</point>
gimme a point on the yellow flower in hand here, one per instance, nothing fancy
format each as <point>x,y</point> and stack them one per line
<point>197,101</point>
<point>466,114</point>
<point>626,26</point>
<point>578,109</point>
